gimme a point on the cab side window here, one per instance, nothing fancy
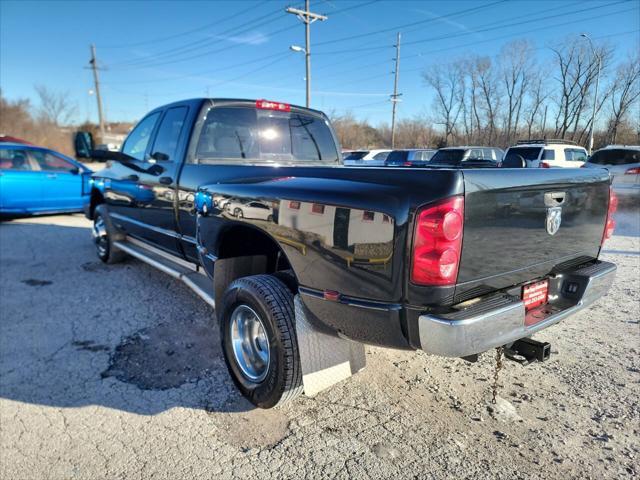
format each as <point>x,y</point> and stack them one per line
<point>549,154</point>
<point>136,143</point>
<point>165,146</point>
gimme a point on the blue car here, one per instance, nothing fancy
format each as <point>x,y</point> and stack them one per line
<point>35,180</point>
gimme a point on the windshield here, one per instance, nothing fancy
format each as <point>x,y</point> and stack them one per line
<point>241,133</point>
<point>447,157</point>
<point>528,153</point>
<point>356,155</point>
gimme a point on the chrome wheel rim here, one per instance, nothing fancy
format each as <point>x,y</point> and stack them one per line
<point>99,233</point>
<point>250,343</point>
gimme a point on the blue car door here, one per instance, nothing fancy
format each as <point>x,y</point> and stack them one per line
<point>62,182</point>
<point>20,182</point>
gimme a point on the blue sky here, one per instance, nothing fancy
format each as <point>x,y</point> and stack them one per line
<point>157,52</point>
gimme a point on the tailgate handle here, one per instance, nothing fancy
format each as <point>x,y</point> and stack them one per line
<point>553,199</point>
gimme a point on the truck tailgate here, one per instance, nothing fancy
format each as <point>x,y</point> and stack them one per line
<point>506,237</point>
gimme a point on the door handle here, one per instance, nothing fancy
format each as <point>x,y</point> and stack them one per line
<point>52,175</point>
<point>132,178</point>
<point>165,180</point>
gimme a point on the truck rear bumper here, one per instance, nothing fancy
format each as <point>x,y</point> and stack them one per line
<point>501,319</point>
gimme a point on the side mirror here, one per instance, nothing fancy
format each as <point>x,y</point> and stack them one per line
<point>83,143</point>
<point>160,157</point>
<point>74,171</point>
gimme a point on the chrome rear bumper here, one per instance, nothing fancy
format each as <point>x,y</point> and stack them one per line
<point>501,319</point>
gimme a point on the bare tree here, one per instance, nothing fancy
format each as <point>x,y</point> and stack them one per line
<point>625,92</point>
<point>516,70</point>
<point>538,95</point>
<point>444,80</point>
<point>578,69</point>
<point>489,88</point>
<point>55,107</point>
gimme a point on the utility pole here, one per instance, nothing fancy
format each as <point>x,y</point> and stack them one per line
<point>395,96</point>
<point>595,97</point>
<point>94,66</point>
<point>308,18</point>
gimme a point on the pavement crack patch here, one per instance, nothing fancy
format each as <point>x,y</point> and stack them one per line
<point>34,282</point>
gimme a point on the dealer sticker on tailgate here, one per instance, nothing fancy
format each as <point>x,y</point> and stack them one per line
<point>535,294</point>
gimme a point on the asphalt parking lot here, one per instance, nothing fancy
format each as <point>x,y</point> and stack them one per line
<point>113,371</point>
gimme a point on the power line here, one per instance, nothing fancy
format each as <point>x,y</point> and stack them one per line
<point>188,32</point>
<point>420,22</point>
<point>519,34</point>
<point>158,58</point>
<point>443,37</point>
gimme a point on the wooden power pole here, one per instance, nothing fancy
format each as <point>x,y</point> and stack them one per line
<point>94,66</point>
<point>395,96</point>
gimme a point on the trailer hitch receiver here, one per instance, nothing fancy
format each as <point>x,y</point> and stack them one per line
<point>527,350</point>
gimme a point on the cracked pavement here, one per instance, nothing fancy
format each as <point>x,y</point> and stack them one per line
<point>114,371</point>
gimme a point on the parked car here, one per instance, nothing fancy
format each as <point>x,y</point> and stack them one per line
<point>550,153</point>
<point>38,180</point>
<point>366,158</point>
<point>467,157</point>
<point>623,164</point>
<point>409,157</point>
<point>354,255</point>
<point>251,210</point>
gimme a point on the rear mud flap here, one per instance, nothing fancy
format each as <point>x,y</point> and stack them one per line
<point>326,359</point>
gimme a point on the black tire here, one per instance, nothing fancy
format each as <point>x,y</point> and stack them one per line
<point>270,298</point>
<point>106,251</point>
<point>239,213</point>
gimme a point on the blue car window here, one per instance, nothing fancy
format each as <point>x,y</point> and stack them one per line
<point>14,160</point>
<point>50,162</point>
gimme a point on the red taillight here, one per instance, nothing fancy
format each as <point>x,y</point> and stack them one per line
<point>544,165</point>
<point>633,171</point>
<point>407,164</point>
<point>268,105</point>
<point>437,243</point>
<point>610,226</point>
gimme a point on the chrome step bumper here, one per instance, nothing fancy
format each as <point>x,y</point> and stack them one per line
<point>501,319</point>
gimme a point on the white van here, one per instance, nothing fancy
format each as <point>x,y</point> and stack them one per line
<point>551,153</point>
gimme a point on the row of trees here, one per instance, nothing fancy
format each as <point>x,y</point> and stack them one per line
<point>482,100</point>
<point>42,125</point>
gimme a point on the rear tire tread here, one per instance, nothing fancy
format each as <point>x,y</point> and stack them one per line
<point>280,301</point>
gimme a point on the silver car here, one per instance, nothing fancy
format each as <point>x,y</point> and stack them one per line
<point>623,163</point>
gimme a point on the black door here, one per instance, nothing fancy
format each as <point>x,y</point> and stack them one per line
<point>157,181</point>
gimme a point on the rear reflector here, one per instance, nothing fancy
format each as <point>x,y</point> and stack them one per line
<point>268,105</point>
<point>611,223</point>
<point>633,171</point>
<point>437,243</point>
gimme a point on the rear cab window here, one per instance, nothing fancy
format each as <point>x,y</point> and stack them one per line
<point>240,133</point>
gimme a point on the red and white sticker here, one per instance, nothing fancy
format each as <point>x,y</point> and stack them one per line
<point>535,294</point>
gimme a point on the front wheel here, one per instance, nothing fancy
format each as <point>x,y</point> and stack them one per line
<point>257,330</point>
<point>103,238</point>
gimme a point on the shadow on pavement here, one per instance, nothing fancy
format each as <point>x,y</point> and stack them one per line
<point>76,332</point>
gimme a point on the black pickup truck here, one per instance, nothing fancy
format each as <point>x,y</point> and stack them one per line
<point>248,203</point>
